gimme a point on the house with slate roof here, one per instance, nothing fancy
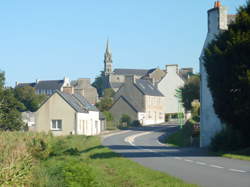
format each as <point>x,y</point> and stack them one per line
<point>47,87</point>
<point>65,113</point>
<point>139,99</point>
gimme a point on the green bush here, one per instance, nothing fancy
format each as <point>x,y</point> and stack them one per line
<point>228,140</point>
<point>135,123</point>
<point>125,119</point>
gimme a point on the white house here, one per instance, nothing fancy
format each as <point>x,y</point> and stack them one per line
<point>64,113</point>
<point>168,86</point>
<point>218,21</point>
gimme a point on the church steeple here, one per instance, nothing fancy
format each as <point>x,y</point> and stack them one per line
<point>107,60</point>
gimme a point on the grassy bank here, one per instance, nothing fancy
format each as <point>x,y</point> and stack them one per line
<point>182,138</point>
<point>28,159</point>
<point>241,154</point>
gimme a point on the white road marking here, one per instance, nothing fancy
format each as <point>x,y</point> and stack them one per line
<point>177,158</point>
<point>216,166</point>
<point>237,170</point>
<point>191,161</point>
<point>201,163</point>
<point>131,139</point>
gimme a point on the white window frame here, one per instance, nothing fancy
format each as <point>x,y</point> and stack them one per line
<point>56,129</point>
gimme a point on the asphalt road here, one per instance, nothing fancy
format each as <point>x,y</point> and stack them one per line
<point>189,164</point>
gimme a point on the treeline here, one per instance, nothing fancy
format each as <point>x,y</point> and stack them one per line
<point>13,101</point>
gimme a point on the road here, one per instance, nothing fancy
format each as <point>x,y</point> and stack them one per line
<point>192,165</point>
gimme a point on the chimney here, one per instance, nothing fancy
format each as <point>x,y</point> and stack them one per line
<point>170,68</point>
<point>217,18</point>
<point>217,4</point>
<point>68,89</point>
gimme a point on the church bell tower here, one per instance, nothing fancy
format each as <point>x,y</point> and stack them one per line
<point>107,60</point>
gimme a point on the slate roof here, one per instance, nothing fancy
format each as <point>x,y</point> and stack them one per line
<point>132,103</point>
<point>49,85</point>
<point>115,84</point>
<point>20,85</point>
<point>77,102</point>
<point>44,85</point>
<point>147,88</point>
<point>139,72</point>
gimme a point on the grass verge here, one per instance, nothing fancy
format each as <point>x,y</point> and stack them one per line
<point>78,161</point>
<point>241,155</point>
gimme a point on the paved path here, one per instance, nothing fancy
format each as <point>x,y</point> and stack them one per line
<point>190,164</point>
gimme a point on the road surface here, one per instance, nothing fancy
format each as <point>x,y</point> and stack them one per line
<point>189,164</point>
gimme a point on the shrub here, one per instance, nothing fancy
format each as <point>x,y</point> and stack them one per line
<point>125,119</point>
<point>136,123</point>
<point>228,140</point>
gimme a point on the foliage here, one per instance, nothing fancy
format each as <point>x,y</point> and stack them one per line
<point>99,85</point>
<point>104,104</point>
<point>228,140</point>
<point>29,98</point>
<point>125,119</point>
<point>109,92</point>
<point>184,137</point>
<point>135,123</point>
<point>228,68</point>
<point>10,117</point>
<point>190,91</point>
<point>2,79</point>
<point>108,116</point>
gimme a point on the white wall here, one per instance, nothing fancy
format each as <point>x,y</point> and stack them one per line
<point>88,123</point>
<point>168,86</point>
<point>210,123</point>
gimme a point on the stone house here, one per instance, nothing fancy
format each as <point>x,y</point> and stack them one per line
<point>64,113</point>
<point>47,87</point>
<point>218,21</point>
<point>139,99</point>
<point>83,87</point>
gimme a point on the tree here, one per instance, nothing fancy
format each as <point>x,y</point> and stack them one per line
<point>109,92</point>
<point>99,85</point>
<point>29,98</point>
<point>104,104</point>
<point>190,91</point>
<point>228,67</point>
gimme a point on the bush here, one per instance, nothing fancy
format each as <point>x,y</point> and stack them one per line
<point>228,140</point>
<point>136,123</point>
<point>125,119</point>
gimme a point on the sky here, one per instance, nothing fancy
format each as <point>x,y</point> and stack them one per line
<point>49,40</point>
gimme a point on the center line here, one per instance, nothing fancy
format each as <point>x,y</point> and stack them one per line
<point>189,160</point>
<point>215,166</point>
<point>201,163</point>
<point>237,170</point>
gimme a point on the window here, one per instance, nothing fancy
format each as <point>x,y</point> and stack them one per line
<point>56,125</point>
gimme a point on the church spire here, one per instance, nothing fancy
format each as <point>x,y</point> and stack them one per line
<point>107,60</point>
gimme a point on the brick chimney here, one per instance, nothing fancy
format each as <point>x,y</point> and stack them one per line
<point>217,4</point>
<point>68,89</point>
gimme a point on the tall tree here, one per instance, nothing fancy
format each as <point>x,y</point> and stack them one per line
<point>99,85</point>
<point>190,91</point>
<point>228,67</point>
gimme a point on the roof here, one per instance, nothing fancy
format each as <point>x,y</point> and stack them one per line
<point>50,84</point>
<point>139,72</point>
<point>147,88</point>
<point>116,84</point>
<point>20,85</point>
<point>132,103</point>
<point>77,102</point>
